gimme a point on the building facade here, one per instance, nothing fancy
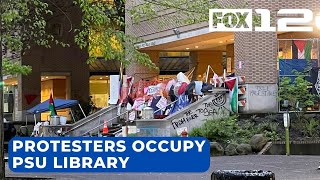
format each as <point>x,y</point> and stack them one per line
<point>173,46</point>
<point>250,54</point>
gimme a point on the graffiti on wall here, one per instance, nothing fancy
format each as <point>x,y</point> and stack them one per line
<point>213,108</point>
<point>263,91</point>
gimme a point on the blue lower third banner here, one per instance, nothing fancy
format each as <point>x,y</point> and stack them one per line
<point>95,154</point>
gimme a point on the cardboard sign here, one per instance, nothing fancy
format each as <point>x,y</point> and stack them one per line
<point>114,89</point>
<point>162,104</point>
<point>137,103</point>
<point>132,115</point>
<point>152,90</point>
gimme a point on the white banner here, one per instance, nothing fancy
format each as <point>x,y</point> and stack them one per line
<point>114,89</point>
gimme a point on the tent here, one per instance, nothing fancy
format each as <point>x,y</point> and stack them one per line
<point>58,103</point>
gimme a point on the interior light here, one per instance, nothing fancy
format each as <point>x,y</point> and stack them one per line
<point>101,78</point>
<point>318,21</point>
<point>187,48</point>
<point>47,77</point>
<point>196,47</point>
<point>220,42</point>
<point>232,39</point>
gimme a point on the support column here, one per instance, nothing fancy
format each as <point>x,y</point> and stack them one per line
<point>193,62</point>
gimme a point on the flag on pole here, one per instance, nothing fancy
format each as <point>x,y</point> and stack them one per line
<point>233,93</point>
<point>215,79</point>
<point>52,108</point>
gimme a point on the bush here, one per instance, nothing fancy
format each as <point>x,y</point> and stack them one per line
<point>222,130</point>
<point>270,130</point>
<point>310,128</point>
<point>228,130</point>
<point>196,132</point>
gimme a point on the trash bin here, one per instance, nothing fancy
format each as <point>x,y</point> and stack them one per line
<point>240,175</point>
<point>55,120</point>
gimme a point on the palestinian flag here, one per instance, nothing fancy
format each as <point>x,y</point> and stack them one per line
<point>52,108</point>
<point>233,93</point>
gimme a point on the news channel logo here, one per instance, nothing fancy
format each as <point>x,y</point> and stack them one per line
<point>241,20</point>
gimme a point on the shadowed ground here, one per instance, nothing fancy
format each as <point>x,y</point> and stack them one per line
<point>284,167</point>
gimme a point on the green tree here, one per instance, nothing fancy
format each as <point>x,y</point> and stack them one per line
<point>186,12</point>
<point>103,24</point>
<point>297,94</point>
<point>23,24</point>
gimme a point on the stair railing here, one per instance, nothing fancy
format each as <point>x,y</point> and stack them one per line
<point>92,118</point>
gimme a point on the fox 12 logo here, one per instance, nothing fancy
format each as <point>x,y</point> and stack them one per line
<point>241,20</point>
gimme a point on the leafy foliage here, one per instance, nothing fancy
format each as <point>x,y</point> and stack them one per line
<point>229,130</point>
<point>296,91</point>
<point>103,24</point>
<point>223,130</point>
<point>185,12</point>
<point>310,127</point>
<point>269,129</point>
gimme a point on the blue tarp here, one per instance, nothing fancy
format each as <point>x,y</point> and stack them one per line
<point>58,103</point>
<point>287,66</point>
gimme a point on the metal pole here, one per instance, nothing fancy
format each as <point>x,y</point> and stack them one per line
<point>82,110</point>
<point>35,119</point>
<point>287,142</point>
<point>74,120</point>
<point>287,119</point>
<point>99,124</point>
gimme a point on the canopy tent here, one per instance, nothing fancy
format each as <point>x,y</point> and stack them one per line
<point>58,103</point>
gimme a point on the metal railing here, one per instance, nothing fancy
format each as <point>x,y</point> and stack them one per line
<point>92,129</point>
<point>126,112</point>
<point>90,119</point>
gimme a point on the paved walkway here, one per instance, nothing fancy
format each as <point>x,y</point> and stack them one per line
<point>285,168</point>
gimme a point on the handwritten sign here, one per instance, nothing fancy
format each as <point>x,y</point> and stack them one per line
<point>162,103</point>
<point>137,103</point>
<point>132,115</point>
<point>152,90</point>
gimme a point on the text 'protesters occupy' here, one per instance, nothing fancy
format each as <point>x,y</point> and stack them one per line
<point>109,154</point>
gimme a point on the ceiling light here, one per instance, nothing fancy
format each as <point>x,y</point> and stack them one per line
<point>101,78</point>
<point>220,42</point>
<point>12,84</point>
<point>231,39</point>
<point>187,48</point>
<point>47,77</point>
<point>196,47</point>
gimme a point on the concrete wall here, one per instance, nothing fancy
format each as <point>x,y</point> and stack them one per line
<point>210,107</point>
<point>262,98</point>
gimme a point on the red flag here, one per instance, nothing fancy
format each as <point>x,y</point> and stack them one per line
<point>230,83</point>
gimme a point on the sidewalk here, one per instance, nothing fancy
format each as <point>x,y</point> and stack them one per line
<point>284,167</point>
